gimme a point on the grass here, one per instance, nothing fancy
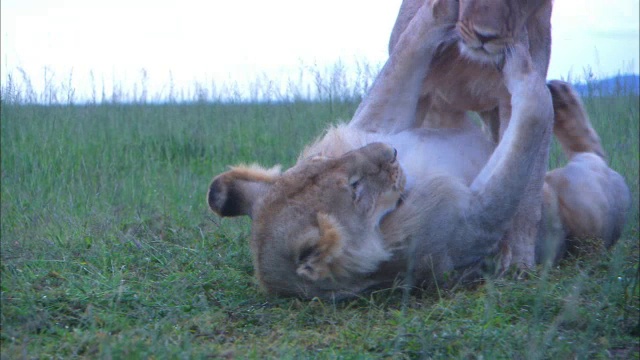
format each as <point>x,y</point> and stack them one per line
<point>109,250</point>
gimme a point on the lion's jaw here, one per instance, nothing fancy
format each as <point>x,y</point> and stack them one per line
<point>316,231</point>
<point>488,28</point>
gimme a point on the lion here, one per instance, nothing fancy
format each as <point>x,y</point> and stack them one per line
<point>466,77</point>
<point>363,208</point>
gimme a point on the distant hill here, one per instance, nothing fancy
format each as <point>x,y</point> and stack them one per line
<point>621,84</point>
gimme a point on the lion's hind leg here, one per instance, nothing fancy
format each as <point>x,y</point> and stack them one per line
<point>593,199</point>
<point>590,199</point>
<point>571,124</point>
<point>391,104</point>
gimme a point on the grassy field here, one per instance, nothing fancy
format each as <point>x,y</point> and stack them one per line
<point>109,250</point>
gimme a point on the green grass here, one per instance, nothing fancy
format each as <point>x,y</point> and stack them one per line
<point>109,250</point>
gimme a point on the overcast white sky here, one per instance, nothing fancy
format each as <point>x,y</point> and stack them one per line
<point>234,40</point>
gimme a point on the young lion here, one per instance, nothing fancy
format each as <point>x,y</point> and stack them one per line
<point>361,208</point>
<point>466,77</point>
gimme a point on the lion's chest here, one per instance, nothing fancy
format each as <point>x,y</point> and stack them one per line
<point>455,83</point>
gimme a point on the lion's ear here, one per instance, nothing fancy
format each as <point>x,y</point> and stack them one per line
<point>234,192</point>
<point>320,258</point>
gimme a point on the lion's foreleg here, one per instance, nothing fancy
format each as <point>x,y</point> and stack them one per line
<point>390,106</point>
<point>511,181</point>
<point>407,11</point>
<point>523,234</point>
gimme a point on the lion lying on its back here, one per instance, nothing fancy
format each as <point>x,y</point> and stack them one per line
<point>362,208</point>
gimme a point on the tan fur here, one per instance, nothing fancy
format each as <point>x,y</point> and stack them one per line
<point>584,199</point>
<point>466,77</point>
<point>322,262</point>
<point>587,189</point>
<point>255,172</point>
<point>367,205</point>
<point>244,185</point>
<point>571,124</point>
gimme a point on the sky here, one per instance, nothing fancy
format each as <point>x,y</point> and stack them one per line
<point>89,43</point>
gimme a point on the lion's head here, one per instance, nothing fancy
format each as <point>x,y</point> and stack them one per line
<point>488,28</point>
<point>315,226</point>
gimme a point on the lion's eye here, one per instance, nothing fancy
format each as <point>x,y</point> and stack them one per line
<point>354,188</point>
<point>354,181</point>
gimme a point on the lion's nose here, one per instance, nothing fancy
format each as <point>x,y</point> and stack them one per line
<point>381,153</point>
<point>389,155</point>
<point>485,37</point>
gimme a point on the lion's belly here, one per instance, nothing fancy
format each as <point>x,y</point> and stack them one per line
<point>459,153</point>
